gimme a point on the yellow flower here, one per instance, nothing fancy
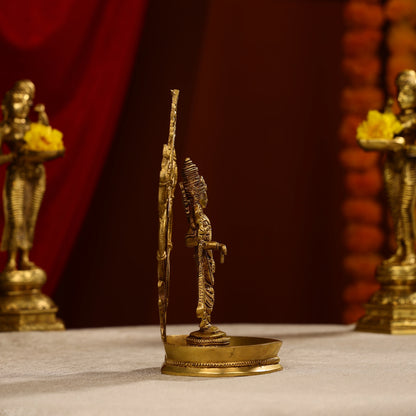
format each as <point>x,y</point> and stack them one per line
<point>379,126</point>
<point>41,138</point>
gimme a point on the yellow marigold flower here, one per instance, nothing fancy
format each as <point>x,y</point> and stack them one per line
<point>379,126</point>
<point>41,138</point>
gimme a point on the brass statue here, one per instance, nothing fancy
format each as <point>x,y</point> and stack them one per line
<point>22,306</point>
<point>392,309</point>
<point>199,237</point>
<point>208,352</point>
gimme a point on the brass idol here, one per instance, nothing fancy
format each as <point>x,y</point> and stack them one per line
<point>392,309</point>
<point>22,305</point>
<point>207,352</point>
<point>199,237</point>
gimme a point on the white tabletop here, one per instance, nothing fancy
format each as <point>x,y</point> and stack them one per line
<point>328,370</point>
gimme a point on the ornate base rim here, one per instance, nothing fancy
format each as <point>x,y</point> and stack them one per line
<point>252,370</point>
<point>390,328</point>
<point>58,325</point>
<point>24,321</point>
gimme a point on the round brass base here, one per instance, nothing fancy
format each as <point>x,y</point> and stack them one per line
<point>16,281</point>
<point>243,356</point>
<point>22,305</point>
<point>392,309</point>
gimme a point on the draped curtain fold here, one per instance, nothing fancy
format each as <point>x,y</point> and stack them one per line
<point>79,54</point>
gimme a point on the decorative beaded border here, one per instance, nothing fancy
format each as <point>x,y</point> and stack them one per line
<point>208,341</point>
<point>248,363</point>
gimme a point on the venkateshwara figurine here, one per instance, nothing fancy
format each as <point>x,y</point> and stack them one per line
<point>199,237</point>
<point>207,352</point>
<point>392,309</point>
<point>22,305</point>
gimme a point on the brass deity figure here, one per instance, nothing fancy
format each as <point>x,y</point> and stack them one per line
<point>22,306</point>
<point>400,173</point>
<point>392,309</point>
<point>199,237</point>
<point>207,352</point>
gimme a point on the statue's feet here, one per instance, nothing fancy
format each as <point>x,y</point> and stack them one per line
<point>409,260</point>
<point>26,264</point>
<point>11,266</point>
<point>396,258</point>
<point>208,335</point>
<point>206,326</point>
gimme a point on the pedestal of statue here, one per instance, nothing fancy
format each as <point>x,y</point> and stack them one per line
<point>23,307</point>
<point>392,309</point>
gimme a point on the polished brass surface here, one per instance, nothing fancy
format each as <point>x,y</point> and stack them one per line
<point>22,306</point>
<point>243,356</point>
<point>392,309</point>
<point>207,352</point>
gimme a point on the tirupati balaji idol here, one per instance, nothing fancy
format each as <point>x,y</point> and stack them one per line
<point>199,237</point>
<point>22,305</point>
<point>392,309</point>
<point>207,351</point>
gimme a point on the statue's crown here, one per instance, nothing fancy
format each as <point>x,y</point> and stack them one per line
<point>193,183</point>
<point>408,76</point>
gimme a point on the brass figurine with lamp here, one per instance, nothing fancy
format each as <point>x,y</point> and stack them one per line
<point>392,309</point>
<point>207,352</point>
<point>23,307</point>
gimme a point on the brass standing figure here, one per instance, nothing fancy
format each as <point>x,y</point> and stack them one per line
<point>22,305</point>
<point>392,309</point>
<point>199,237</point>
<point>207,352</point>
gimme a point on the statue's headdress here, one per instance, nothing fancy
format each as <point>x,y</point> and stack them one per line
<point>193,183</point>
<point>406,77</point>
<point>24,86</point>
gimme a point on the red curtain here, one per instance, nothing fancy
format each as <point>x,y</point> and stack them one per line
<point>79,54</point>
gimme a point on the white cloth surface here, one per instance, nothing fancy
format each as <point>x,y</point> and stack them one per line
<point>328,370</point>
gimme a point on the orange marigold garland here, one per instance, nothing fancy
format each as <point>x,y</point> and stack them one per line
<point>401,11</point>
<point>362,210</point>
<point>355,159</point>
<point>348,129</point>
<point>363,184</point>
<point>362,267</point>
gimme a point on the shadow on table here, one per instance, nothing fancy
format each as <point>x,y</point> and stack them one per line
<point>81,381</point>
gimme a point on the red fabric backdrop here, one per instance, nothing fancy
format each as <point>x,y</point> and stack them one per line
<point>79,54</point>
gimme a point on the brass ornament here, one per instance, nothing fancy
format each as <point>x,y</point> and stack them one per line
<point>207,352</point>
<point>392,309</point>
<point>22,305</point>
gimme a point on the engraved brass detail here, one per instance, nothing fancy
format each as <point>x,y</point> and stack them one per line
<point>247,363</point>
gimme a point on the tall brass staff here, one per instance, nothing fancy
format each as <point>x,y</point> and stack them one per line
<point>167,184</point>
